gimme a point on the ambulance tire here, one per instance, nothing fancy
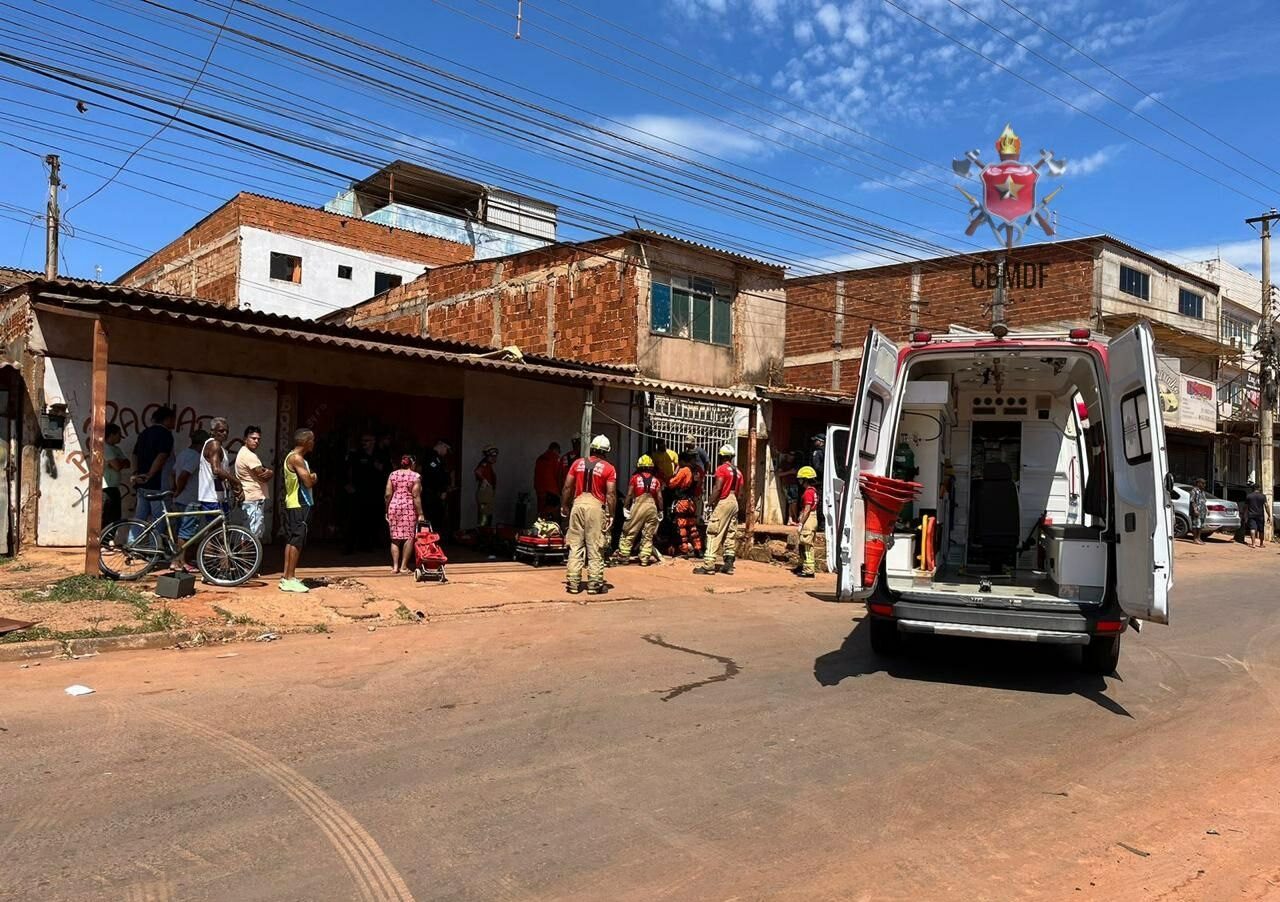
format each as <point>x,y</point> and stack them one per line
<point>886,641</point>
<point>1101,655</point>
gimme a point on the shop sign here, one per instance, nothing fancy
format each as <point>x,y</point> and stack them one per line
<point>1185,401</point>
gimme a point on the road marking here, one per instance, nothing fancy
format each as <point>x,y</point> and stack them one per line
<point>375,876</point>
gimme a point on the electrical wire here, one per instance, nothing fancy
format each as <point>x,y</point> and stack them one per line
<point>195,81</point>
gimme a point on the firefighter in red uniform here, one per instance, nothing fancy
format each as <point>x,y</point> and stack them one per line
<point>643,503</point>
<point>808,476</point>
<point>722,526</point>
<point>587,499</point>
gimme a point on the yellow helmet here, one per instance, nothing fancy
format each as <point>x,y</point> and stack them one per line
<point>644,461</point>
<point>806,473</point>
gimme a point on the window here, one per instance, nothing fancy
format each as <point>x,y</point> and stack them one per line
<point>1190,303</point>
<point>344,272</point>
<point>286,268</point>
<point>1238,332</point>
<point>1136,422</point>
<point>1135,283</point>
<point>691,307</point>
<point>871,423</point>
<point>385,281</point>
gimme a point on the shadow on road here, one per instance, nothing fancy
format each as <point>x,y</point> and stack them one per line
<point>1022,667</point>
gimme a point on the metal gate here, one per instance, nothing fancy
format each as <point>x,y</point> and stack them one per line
<point>711,425</point>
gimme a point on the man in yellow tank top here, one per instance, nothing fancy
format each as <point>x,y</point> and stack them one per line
<point>298,482</point>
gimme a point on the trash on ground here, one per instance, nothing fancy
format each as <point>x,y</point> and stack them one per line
<point>89,654</point>
<point>77,689</point>
<point>268,637</point>
<point>230,654</point>
<point>1135,851</point>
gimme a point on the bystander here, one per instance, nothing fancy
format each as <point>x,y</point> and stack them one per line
<point>254,479</point>
<point>298,483</point>
<point>151,451</point>
<point>114,461</point>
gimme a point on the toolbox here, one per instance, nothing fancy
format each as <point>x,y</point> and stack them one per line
<point>539,550</point>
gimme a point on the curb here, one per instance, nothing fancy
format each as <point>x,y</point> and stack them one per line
<point>24,651</point>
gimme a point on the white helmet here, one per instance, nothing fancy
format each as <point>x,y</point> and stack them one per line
<point>728,451</point>
<point>600,443</point>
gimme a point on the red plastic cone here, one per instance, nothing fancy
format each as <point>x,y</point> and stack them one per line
<point>884,499</point>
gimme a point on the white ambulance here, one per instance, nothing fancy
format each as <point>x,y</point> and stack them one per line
<point>1044,513</point>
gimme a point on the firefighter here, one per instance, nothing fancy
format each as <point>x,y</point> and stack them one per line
<point>587,500</point>
<point>808,521</point>
<point>722,526</point>
<point>643,503</point>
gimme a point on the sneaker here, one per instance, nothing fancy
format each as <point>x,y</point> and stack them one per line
<point>293,585</point>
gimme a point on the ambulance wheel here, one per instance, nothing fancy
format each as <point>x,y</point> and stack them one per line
<point>1101,655</point>
<point>886,641</point>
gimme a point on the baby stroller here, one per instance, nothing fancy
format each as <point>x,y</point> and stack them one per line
<point>430,557</point>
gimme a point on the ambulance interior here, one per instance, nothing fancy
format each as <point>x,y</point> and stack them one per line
<point>1009,449</point>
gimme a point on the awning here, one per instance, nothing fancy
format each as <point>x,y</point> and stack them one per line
<point>1172,341</point>
<point>797,395</point>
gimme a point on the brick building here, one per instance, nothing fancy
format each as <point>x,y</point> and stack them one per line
<point>668,308</point>
<point>1098,281</point>
<point>282,257</point>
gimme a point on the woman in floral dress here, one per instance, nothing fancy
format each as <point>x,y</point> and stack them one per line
<point>404,510</point>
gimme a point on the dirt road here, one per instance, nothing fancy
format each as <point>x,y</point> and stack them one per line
<point>740,746</point>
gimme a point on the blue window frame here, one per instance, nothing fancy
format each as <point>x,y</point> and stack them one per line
<point>1135,282</point>
<point>1190,303</point>
<point>691,307</point>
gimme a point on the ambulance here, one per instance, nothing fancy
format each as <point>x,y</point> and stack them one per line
<point>1044,510</point>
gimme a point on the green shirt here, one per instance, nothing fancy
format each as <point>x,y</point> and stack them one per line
<point>110,475</point>
<point>295,493</point>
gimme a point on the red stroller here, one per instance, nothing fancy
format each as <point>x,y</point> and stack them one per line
<point>430,557</point>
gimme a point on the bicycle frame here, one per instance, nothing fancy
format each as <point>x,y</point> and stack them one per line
<point>218,519</point>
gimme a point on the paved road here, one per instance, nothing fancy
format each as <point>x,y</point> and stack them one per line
<point>705,747</point>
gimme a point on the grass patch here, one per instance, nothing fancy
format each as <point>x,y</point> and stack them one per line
<point>404,613</point>
<point>37,633</point>
<point>320,628</point>
<point>85,588</point>
<point>237,619</point>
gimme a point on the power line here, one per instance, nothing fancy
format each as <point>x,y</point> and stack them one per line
<point>1146,95</point>
<point>195,81</point>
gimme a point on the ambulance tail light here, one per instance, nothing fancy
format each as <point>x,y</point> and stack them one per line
<point>884,610</point>
<point>1081,334</point>
<point>921,338</point>
<point>1108,626</point>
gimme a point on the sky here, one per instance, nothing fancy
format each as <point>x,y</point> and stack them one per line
<point>816,133</point>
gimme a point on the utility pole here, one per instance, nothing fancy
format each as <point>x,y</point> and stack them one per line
<point>51,221</point>
<point>1266,349</point>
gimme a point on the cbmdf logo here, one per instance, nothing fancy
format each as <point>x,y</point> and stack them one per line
<point>1006,201</point>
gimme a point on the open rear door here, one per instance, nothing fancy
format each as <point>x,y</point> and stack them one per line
<point>834,474</point>
<point>1143,515</point>
<point>869,452</point>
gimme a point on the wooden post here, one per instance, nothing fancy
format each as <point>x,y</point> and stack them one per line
<point>97,429</point>
<point>752,483</point>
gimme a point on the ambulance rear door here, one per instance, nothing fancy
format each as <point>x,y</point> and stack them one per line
<point>1143,516</point>
<point>869,452</point>
<point>834,473</point>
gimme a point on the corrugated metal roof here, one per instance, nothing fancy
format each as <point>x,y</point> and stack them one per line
<point>664,236</point>
<point>156,306</point>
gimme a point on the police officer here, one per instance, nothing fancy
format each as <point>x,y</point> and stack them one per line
<point>587,500</point>
<point>722,526</point>
<point>808,521</point>
<point>643,501</point>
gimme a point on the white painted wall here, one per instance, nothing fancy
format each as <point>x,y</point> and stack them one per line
<point>521,417</point>
<point>321,291</point>
<point>133,394</point>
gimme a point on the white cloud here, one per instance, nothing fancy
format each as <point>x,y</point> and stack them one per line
<point>663,133</point>
<point>829,18</point>
<point>1091,163</point>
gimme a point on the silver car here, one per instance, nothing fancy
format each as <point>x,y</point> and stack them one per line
<point>1220,515</point>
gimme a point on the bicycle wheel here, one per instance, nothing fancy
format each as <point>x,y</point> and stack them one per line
<point>127,553</point>
<point>229,557</point>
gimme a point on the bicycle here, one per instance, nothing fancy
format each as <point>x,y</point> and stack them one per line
<point>227,555</point>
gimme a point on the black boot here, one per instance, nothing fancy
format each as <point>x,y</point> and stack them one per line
<point>728,566</point>
<point>595,589</point>
<point>573,588</point>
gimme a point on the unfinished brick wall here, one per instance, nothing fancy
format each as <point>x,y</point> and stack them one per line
<point>946,295</point>
<point>205,261</point>
<point>565,301</point>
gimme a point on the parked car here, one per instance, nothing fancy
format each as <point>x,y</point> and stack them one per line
<point>1220,515</point>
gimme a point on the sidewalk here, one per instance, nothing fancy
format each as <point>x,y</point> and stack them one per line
<point>359,591</point>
